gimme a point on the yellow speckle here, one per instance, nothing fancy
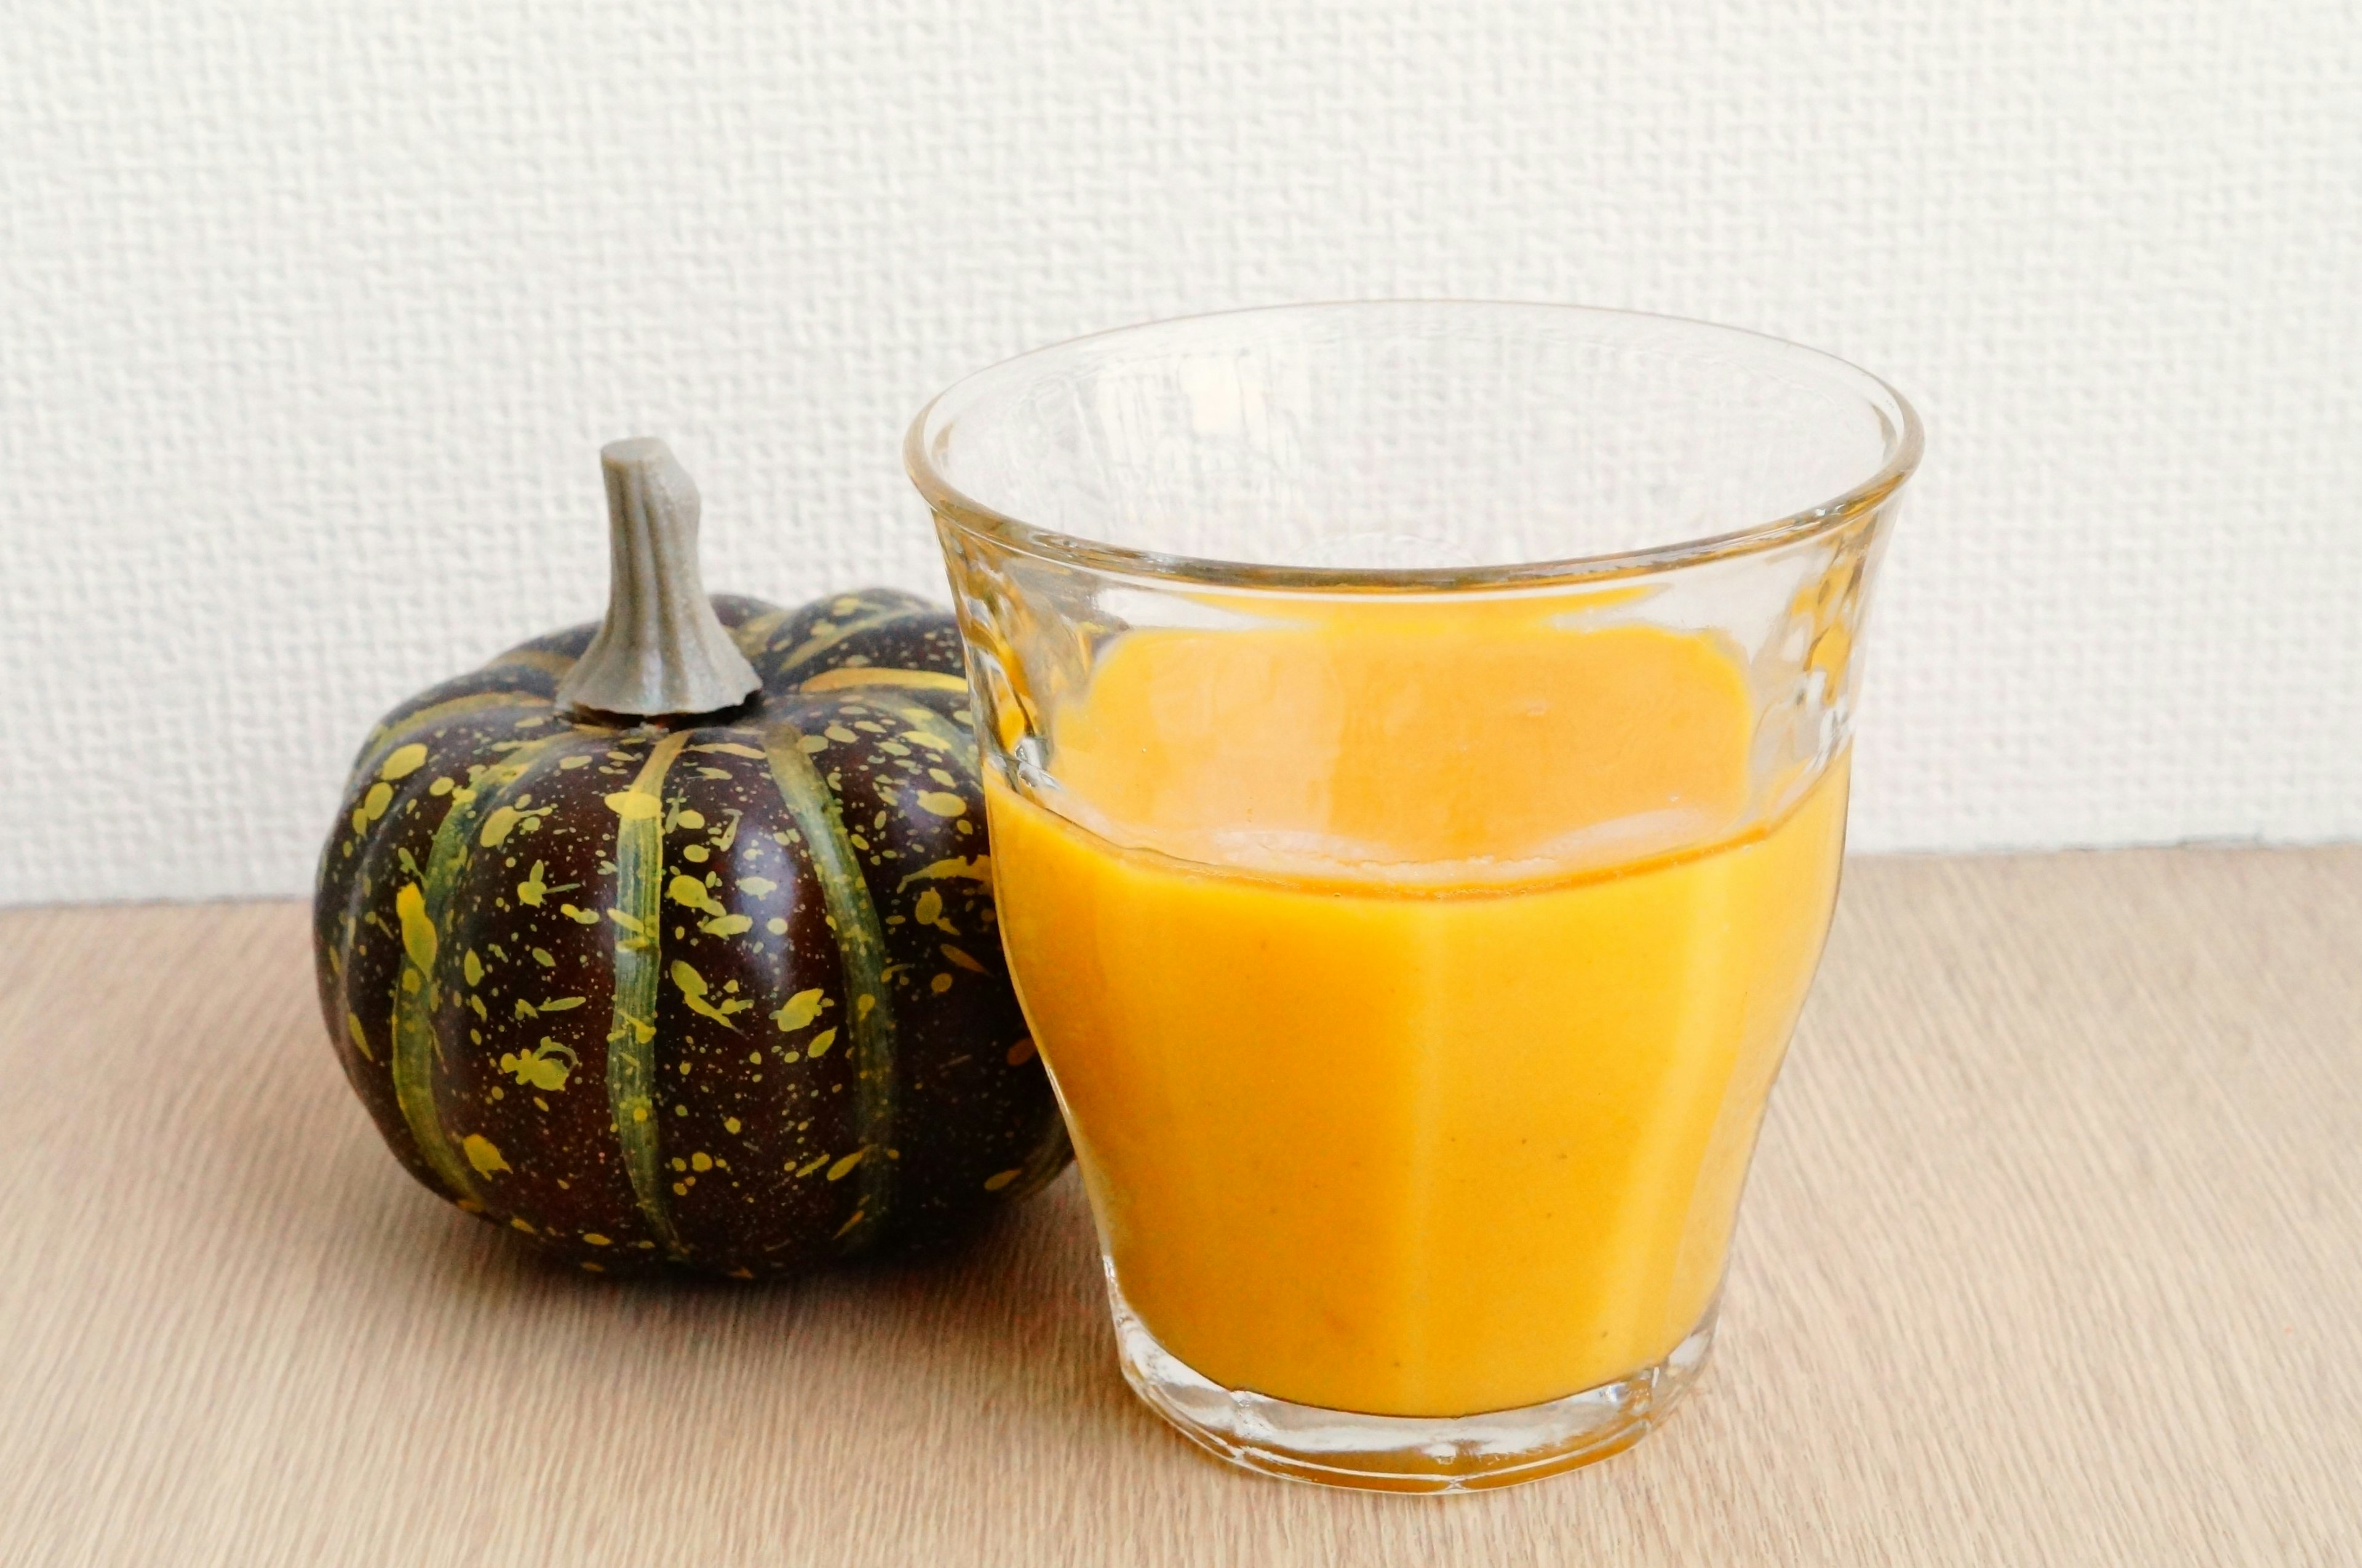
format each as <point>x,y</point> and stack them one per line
<point>688,890</point>
<point>726,925</point>
<point>639,1113</point>
<point>941,804</point>
<point>940,984</point>
<point>840,735</point>
<point>962,959</point>
<point>700,1161</point>
<point>583,917</point>
<point>568,763</point>
<point>812,745</point>
<point>692,819</point>
<point>837,1172</point>
<point>931,908</point>
<point>680,1189</point>
<point>693,991</point>
<point>441,787</point>
<point>473,968</point>
<point>693,853</point>
<point>775,926</point>
<point>373,804</point>
<point>758,886</point>
<point>482,1153</point>
<point>941,777</point>
<point>634,805</point>
<point>800,1010</point>
<point>730,1123</point>
<point>402,761</point>
<point>530,891</point>
<point>863,1005</point>
<point>360,1036</point>
<point>999,1179</point>
<point>521,1225</point>
<point>977,870</point>
<point>596,1239</point>
<point>1021,1053</point>
<point>497,826</point>
<point>541,957</point>
<point>417,931</point>
<point>821,1042</point>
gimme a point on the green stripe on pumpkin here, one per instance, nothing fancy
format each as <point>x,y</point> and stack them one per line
<point>390,734</point>
<point>871,675</point>
<point>423,910</point>
<point>861,942</point>
<point>639,969</point>
<point>751,633</point>
<point>1054,1147</point>
<point>542,660</point>
<point>812,647</point>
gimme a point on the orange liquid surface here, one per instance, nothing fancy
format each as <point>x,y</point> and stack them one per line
<point>1413,993</point>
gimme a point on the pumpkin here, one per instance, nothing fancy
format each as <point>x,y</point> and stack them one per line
<point>671,940</point>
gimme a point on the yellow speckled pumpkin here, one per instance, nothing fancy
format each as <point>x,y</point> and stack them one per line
<point>672,940</point>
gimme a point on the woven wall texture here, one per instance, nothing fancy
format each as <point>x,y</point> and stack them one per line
<point>313,316</point>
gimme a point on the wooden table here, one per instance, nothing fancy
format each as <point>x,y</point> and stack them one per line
<point>2054,1254</point>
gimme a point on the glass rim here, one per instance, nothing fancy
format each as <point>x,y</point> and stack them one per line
<point>1905,441</point>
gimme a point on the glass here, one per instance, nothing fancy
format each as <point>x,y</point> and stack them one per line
<point>1417,745</point>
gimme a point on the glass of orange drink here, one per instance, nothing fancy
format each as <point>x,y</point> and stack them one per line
<point>1416,739</point>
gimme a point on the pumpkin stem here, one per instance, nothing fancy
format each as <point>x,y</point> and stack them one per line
<point>661,650</point>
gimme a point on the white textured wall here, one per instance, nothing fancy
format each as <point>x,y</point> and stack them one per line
<point>313,316</point>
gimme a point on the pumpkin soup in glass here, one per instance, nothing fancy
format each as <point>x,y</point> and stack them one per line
<point>1413,934</point>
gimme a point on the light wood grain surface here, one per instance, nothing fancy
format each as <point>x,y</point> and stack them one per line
<point>2053,1255</point>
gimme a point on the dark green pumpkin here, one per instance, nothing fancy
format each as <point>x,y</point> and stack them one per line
<point>723,991</point>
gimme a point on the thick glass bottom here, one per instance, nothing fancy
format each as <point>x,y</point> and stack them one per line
<point>1402,1454</point>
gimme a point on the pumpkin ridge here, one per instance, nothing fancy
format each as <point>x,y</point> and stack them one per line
<point>751,633</point>
<point>812,648</point>
<point>542,660</point>
<point>871,675</point>
<point>861,948</point>
<point>384,737</point>
<point>639,968</point>
<point>1054,1147</point>
<point>415,1046</point>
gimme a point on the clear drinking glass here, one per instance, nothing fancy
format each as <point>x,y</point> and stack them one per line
<point>1416,748</point>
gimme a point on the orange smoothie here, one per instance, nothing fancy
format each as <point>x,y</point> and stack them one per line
<point>1414,986</point>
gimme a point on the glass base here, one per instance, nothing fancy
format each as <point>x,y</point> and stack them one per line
<point>1402,1454</point>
